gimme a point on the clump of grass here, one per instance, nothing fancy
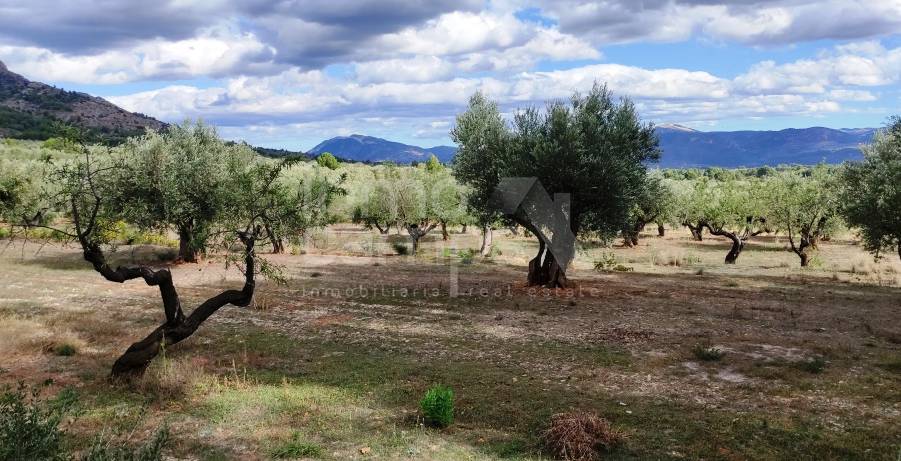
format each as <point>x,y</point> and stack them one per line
<point>580,436</point>
<point>707,352</point>
<point>400,248</point>
<point>700,271</point>
<point>674,259</point>
<point>466,256</point>
<point>295,448</point>
<point>437,406</point>
<point>106,449</point>
<point>814,365</point>
<point>171,377</point>
<point>622,268</point>
<point>65,350</point>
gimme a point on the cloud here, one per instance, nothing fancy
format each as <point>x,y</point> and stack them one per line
<point>855,64</point>
<point>761,22</point>
<point>214,52</point>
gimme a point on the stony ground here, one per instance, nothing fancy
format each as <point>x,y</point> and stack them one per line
<point>332,364</point>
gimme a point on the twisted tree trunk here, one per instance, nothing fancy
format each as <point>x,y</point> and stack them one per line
<point>177,326</point>
<point>417,232</point>
<point>696,231</point>
<point>738,242</point>
<point>661,231</point>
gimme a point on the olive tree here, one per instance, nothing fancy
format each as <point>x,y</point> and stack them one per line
<point>592,147</point>
<point>297,202</point>
<point>179,180</point>
<point>653,205</point>
<point>733,209</point>
<point>802,206</point>
<point>689,197</point>
<point>482,139</point>
<point>89,192</point>
<point>871,192</point>
<point>375,200</point>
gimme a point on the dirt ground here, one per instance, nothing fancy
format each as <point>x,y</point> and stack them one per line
<point>693,359</point>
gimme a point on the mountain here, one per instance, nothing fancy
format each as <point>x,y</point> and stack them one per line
<point>685,147</point>
<point>31,110</point>
<point>361,148</point>
<point>682,147</point>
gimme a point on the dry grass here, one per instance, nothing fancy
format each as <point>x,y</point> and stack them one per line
<point>24,337</point>
<point>580,436</point>
<point>345,372</point>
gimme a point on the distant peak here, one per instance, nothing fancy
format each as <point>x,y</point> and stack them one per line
<point>676,126</point>
<point>3,67</point>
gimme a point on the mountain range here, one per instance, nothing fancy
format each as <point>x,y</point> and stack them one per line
<point>34,110</point>
<point>682,147</point>
<point>685,147</point>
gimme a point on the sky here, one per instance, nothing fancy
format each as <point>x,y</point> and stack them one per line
<point>291,73</point>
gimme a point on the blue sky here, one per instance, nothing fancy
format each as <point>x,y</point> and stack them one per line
<point>291,73</point>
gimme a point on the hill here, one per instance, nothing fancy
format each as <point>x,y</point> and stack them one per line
<point>371,149</point>
<point>682,147</point>
<point>32,110</point>
<point>685,147</point>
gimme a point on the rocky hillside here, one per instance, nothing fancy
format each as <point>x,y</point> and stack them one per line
<point>33,110</point>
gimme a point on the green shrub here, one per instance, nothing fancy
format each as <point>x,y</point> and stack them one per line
<point>400,248</point>
<point>466,256</point>
<point>295,448</point>
<point>707,353</point>
<point>29,430</point>
<point>438,406</point>
<point>606,262</point>
<point>29,426</point>
<point>813,365</point>
<point>328,160</point>
<point>64,350</point>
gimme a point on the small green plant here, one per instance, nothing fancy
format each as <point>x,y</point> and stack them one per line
<point>29,426</point>
<point>400,248</point>
<point>707,353</point>
<point>606,262</point>
<point>295,448</point>
<point>438,406</point>
<point>64,350</point>
<point>466,256</point>
<point>622,268</point>
<point>813,365</point>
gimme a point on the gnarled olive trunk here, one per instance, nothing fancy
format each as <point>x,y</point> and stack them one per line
<point>487,240</point>
<point>696,231</point>
<point>738,242</point>
<point>661,231</point>
<point>464,229</point>
<point>177,325</point>
<point>444,235</point>
<point>382,230</point>
<point>187,250</point>
<point>543,268</point>
<point>417,232</point>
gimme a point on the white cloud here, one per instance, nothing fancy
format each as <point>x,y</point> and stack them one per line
<point>756,22</point>
<point>215,52</point>
<point>874,67</point>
